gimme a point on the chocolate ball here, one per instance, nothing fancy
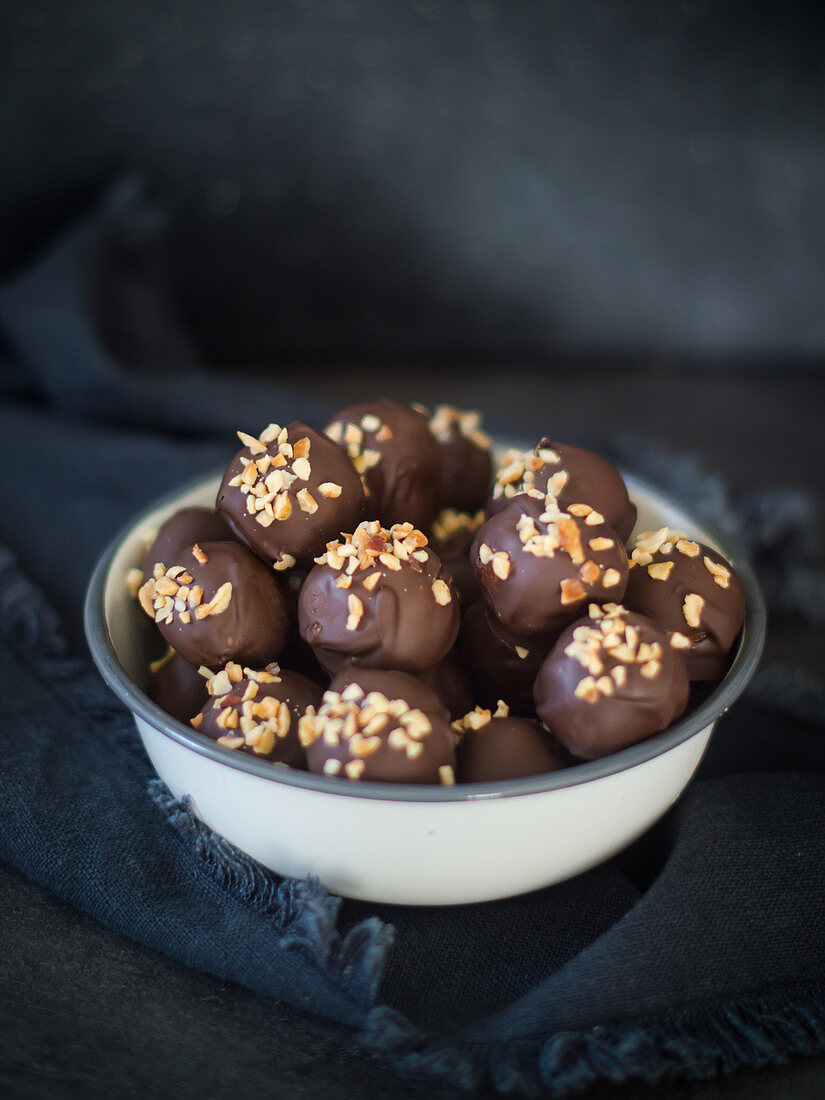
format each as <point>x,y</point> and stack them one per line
<point>182,530</point>
<point>449,682</point>
<point>466,465</point>
<point>693,593</point>
<point>572,474</point>
<point>539,567</point>
<point>495,746</point>
<point>176,686</point>
<point>611,680</point>
<point>383,726</point>
<point>286,493</point>
<point>257,711</point>
<point>217,603</point>
<point>451,537</point>
<point>497,670</point>
<point>379,598</point>
<point>392,447</point>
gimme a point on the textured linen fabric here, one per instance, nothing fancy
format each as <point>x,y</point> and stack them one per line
<point>699,949</point>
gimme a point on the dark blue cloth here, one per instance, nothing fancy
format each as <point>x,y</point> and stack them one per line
<point>700,949</point>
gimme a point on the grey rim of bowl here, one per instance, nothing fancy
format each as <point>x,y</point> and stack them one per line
<point>718,702</point>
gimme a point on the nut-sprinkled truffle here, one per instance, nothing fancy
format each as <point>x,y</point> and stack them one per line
<point>176,686</point>
<point>182,530</point>
<point>538,567</point>
<point>449,682</point>
<point>384,726</point>
<point>379,599</point>
<point>451,537</point>
<point>217,603</point>
<point>288,491</point>
<point>611,680</point>
<point>570,473</point>
<point>392,447</point>
<point>497,746</point>
<point>693,593</point>
<point>466,466</point>
<point>257,711</point>
<point>498,670</point>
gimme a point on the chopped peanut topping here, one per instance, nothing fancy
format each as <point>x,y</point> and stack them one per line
<point>356,611</point>
<point>516,476</point>
<point>167,593</point>
<point>692,609</point>
<point>720,574</point>
<point>441,591</point>
<point>610,636</point>
<point>371,545</point>
<point>449,522</point>
<point>363,724</point>
<point>446,419</point>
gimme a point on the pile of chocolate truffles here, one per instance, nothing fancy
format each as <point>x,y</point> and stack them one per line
<point>375,602</point>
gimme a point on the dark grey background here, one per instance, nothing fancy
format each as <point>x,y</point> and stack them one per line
<point>370,179</point>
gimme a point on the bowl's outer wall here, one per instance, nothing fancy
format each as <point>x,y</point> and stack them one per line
<point>442,853</point>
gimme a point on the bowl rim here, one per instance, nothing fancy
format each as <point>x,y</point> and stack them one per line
<point>746,659</point>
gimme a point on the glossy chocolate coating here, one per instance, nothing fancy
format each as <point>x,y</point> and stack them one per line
<point>177,687</point>
<point>542,591</point>
<point>392,446</point>
<point>450,683</point>
<point>318,495</point>
<point>253,725</point>
<point>398,623</point>
<point>574,475</point>
<point>611,680</point>
<point>505,747</point>
<point>466,465</point>
<point>253,627</point>
<point>665,579</point>
<point>497,670</point>
<point>451,537</point>
<point>182,530</point>
<point>401,747</point>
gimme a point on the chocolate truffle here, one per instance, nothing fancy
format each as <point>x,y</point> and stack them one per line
<point>611,679</point>
<point>182,530</point>
<point>287,492</point>
<point>451,537</point>
<point>392,447</point>
<point>693,593</point>
<point>257,711</point>
<point>497,670</point>
<point>379,598</point>
<point>450,684</point>
<point>217,603</point>
<point>573,475</point>
<point>539,567</point>
<point>466,465</point>
<point>379,725</point>
<point>496,746</point>
<point>176,686</point>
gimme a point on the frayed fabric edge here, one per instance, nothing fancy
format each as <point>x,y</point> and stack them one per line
<point>707,1042</point>
<point>304,913</point>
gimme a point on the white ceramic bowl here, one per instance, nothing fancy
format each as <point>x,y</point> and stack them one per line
<point>406,844</point>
